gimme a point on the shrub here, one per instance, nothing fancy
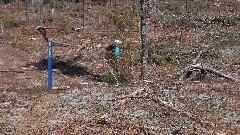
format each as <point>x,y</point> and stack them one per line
<point>156,59</point>
<point>65,27</point>
<point>59,5</point>
<point>117,71</point>
<point>158,53</point>
<point>100,2</point>
<point>15,23</point>
<point>122,19</point>
<point>121,75</point>
<point>47,19</point>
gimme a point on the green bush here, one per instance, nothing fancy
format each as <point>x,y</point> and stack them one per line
<point>100,2</point>
<point>169,58</point>
<point>122,19</point>
<point>156,59</point>
<point>15,23</point>
<point>48,19</point>
<point>58,5</point>
<point>64,27</point>
<point>158,53</point>
<point>121,75</point>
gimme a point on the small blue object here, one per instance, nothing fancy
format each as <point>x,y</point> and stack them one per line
<point>117,51</point>
<point>49,64</point>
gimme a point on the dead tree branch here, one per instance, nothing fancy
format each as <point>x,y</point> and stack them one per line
<point>186,71</point>
<point>203,69</point>
<point>124,99</point>
<point>156,99</point>
<point>214,71</point>
<point>170,105</point>
<point>13,71</point>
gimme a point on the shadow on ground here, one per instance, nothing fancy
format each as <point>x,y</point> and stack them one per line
<point>65,67</point>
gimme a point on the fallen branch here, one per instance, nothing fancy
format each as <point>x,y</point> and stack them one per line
<point>127,98</point>
<point>170,105</point>
<point>214,71</point>
<point>124,99</point>
<point>12,71</point>
<point>185,72</point>
<point>156,99</point>
<point>42,30</point>
<point>203,69</point>
<point>61,44</point>
<point>198,57</point>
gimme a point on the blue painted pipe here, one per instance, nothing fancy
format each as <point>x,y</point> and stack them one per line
<point>49,64</point>
<point>117,51</point>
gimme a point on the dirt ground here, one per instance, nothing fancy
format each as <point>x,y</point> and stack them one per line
<point>80,103</point>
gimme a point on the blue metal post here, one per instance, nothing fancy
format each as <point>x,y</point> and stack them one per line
<point>117,50</point>
<point>50,64</point>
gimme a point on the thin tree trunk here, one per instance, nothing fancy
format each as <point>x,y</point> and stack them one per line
<point>53,10</point>
<point>2,26</point>
<point>115,4</point>
<point>18,6</point>
<point>26,4</point>
<point>187,7</point>
<point>53,7</point>
<point>40,11</point>
<point>83,14</point>
<point>143,26</point>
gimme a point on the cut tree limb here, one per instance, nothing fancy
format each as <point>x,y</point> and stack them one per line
<point>199,67</point>
<point>126,98</point>
<point>173,107</point>
<point>14,71</point>
<point>170,105</point>
<point>187,71</point>
<point>156,99</point>
<point>214,71</point>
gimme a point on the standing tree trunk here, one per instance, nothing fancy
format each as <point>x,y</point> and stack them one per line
<point>143,25</point>
<point>186,7</point>
<point>26,4</point>
<point>2,26</point>
<point>83,14</point>
<point>158,5</point>
<point>18,6</point>
<point>40,11</point>
<point>53,9</point>
<point>115,4</point>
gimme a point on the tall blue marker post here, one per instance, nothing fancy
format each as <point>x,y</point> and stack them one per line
<point>49,64</point>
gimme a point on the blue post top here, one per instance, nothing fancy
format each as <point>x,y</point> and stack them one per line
<point>49,43</point>
<point>117,49</point>
<point>49,48</point>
